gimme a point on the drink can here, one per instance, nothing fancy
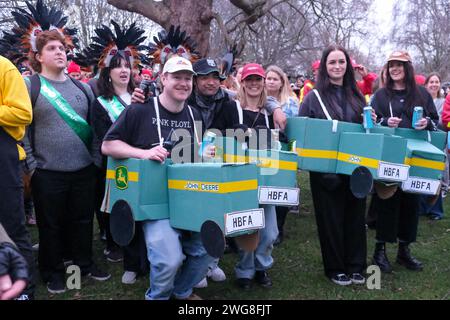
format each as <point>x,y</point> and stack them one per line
<point>417,115</point>
<point>367,117</point>
<point>209,139</point>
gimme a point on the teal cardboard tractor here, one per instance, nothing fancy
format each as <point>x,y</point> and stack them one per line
<point>277,170</point>
<point>215,199</point>
<point>390,156</point>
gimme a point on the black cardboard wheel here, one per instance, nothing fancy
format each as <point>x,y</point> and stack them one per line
<point>361,182</point>
<point>212,239</point>
<point>121,223</point>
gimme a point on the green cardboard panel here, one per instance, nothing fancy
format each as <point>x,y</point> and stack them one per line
<point>276,168</point>
<point>142,183</point>
<point>318,141</point>
<point>436,138</point>
<point>367,150</point>
<point>207,191</point>
<point>425,159</point>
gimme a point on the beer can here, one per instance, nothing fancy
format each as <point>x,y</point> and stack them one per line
<point>417,115</point>
<point>367,117</point>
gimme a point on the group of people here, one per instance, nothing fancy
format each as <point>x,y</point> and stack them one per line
<point>73,126</point>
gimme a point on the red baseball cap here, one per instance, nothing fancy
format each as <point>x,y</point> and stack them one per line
<point>252,69</point>
<point>315,65</point>
<point>147,72</point>
<point>420,79</point>
<point>73,67</point>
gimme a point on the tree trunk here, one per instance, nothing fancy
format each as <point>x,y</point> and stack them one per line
<point>192,16</point>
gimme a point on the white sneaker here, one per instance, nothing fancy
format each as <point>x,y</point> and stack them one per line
<point>217,274</point>
<point>202,284</point>
<point>129,277</point>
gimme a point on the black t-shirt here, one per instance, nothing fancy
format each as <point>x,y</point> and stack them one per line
<point>228,118</point>
<point>137,126</point>
<point>342,111</point>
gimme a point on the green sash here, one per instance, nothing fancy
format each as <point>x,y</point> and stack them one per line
<point>113,107</point>
<point>67,113</point>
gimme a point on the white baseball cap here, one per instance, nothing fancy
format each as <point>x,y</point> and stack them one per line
<point>176,64</point>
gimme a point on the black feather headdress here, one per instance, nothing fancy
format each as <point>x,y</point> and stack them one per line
<point>37,19</point>
<point>106,44</point>
<point>173,43</point>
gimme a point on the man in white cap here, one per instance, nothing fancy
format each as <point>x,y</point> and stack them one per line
<point>140,132</point>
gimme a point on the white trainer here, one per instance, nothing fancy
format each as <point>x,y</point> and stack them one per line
<point>129,277</point>
<point>217,274</point>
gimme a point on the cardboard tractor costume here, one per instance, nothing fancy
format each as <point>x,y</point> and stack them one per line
<point>391,156</point>
<point>277,170</point>
<point>215,199</point>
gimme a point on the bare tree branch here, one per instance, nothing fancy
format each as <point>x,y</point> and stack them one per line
<point>159,12</point>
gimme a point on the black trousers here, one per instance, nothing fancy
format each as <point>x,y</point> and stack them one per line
<point>398,217</point>
<point>12,217</point>
<point>281,217</point>
<point>64,203</point>
<point>135,253</point>
<point>340,223</point>
<point>12,212</point>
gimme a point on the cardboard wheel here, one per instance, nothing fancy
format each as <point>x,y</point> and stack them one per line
<point>248,242</point>
<point>212,239</point>
<point>121,223</point>
<point>385,191</point>
<point>361,182</point>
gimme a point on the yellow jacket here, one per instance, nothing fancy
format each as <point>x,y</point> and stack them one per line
<point>15,104</point>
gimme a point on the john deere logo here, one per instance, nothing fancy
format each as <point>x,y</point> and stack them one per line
<point>121,177</point>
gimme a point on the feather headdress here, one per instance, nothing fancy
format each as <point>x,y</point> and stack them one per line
<point>106,44</point>
<point>173,43</point>
<point>37,19</point>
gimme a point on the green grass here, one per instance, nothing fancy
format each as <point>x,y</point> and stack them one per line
<point>297,272</point>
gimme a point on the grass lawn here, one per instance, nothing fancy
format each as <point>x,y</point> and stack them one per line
<point>297,272</point>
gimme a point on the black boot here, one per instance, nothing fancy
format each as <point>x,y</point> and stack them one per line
<point>380,258</point>
<point>405,259</point>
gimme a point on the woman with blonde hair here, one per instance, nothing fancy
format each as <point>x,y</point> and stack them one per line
<point>248,112</point>
<point>279,89</point>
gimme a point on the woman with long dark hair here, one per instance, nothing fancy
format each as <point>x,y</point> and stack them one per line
<point>398,216</point>
<point>115,86</point>
<point>339,214</point>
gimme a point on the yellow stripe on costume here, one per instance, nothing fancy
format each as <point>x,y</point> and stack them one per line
<point>334,155</point>
<point>132,176</point>
<point>362,161</point>
<point>429,164</point>
<point>262,162</point>
<point>213,187</point>
<point>321,154</point>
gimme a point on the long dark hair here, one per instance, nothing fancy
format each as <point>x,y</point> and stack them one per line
<point>352,93</point>
<point>105,86</point>
<point>413,96</point>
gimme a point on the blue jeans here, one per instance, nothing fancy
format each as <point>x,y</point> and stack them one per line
<point>177,262</point>
<point>260,259</point>
<point>434,211</point>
